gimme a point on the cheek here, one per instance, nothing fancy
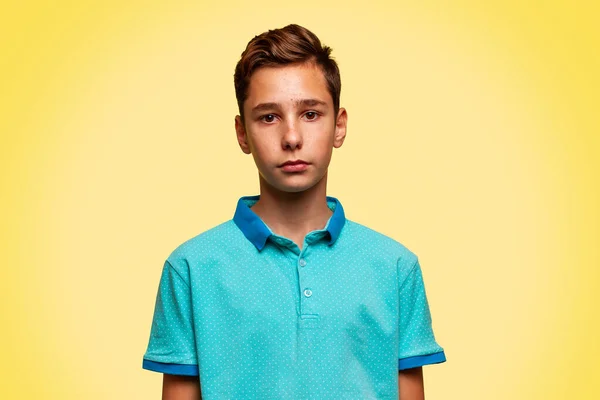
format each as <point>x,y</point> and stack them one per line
<point>322,137</point>
<point>264,150</point>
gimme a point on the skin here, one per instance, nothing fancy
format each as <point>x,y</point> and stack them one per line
<point>410,384</point>
<point>177,387</point>
<point>289,115</point>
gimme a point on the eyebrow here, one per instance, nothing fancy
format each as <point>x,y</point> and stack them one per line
<point>301,102</point>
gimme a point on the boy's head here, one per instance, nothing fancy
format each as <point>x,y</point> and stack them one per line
<point>292,44</point>
<point>288,91</point>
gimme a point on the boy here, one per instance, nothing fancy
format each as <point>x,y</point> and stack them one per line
<point>289,299</point>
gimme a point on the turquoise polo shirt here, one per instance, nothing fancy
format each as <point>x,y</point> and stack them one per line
<point>256,317</point>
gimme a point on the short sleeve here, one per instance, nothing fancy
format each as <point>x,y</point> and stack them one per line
<point>417,344</point>
<point>171,348</point>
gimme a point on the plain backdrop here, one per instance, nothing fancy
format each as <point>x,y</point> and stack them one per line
<point>472,139</point>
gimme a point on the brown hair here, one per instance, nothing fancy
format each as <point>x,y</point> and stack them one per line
<point>288,45</point>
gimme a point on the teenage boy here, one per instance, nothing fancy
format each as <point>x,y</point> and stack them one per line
<point>289,299</point>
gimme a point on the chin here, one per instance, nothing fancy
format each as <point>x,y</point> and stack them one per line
<point>292,183</point>
<point>296,189</point>
<point>292,188</point>
<point>300,185</point>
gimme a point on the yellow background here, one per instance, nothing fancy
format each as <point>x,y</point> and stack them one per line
<point>473,139</point>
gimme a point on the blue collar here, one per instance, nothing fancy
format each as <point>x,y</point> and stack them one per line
<point>257,232</point>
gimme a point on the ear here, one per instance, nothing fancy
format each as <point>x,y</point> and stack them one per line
<point>242,138</point>
<point>340,127</point>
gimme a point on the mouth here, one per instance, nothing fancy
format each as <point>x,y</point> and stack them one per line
<point>294,165</point>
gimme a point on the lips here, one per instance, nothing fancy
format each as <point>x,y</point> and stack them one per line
<point>293,162</point>
<point>294,166</point>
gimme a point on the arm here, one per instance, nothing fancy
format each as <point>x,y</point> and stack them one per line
<point>417,344</point>
<point>410,384</point>
<point>180,387</point>
<point>172,347</point>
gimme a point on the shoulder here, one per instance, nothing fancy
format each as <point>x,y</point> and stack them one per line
<point>357,234</point>
<point>206,244</point>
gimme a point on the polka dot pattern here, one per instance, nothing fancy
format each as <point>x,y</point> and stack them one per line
<point>261,318</point>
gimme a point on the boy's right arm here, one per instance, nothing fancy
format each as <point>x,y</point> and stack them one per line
<point>180,387</point>
<point>171,347</point>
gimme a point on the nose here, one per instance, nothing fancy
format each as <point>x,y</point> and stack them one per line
<point>292,137</point>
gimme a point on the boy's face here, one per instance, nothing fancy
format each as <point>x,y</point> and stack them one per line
<point>289,116</point>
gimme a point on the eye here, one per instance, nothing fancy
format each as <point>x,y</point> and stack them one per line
<point>311,115</point>
<point>268,118</point>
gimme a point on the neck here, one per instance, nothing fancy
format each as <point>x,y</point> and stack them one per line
<point>293,214</point>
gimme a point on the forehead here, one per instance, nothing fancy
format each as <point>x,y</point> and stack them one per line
<point>287,84</point>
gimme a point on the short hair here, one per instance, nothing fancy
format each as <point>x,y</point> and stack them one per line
<point>278,47</point>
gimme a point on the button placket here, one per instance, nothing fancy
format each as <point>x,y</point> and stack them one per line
<point>308,287</point>
<point>305,283</point>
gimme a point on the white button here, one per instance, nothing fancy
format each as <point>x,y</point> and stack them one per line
<point>302,262</point>
<point>307,292</point>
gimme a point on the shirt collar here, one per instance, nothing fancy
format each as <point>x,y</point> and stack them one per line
<point>257,232</point>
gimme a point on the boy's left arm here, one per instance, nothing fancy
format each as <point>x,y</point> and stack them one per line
<point>417,345</point>
<point>410,384</point>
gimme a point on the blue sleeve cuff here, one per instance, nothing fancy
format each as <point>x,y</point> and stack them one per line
<point>418,361</point>
<point>172,369</point>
